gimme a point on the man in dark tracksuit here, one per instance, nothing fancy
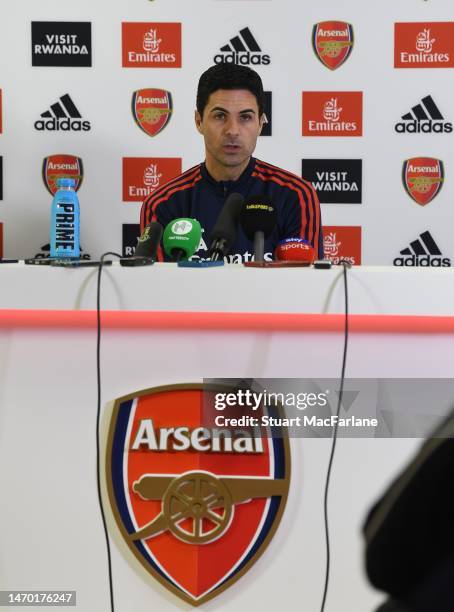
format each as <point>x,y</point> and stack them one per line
<point>230,117</point>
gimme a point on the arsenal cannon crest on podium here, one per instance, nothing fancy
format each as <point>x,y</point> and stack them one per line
<point>196,504</point>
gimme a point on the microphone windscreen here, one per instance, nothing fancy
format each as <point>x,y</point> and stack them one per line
<point>295,249</point>
<point>227,222</point>
<point>148,243</point>
<point>182,234</point>
<point>258,215</point>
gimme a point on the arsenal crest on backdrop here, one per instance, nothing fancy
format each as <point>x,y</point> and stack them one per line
<point>152,109</point>
<point>332,42</point>
<point>61,166</point>
<point>423,178</point>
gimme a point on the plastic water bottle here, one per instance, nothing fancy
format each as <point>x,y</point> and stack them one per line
<point>65,221</point>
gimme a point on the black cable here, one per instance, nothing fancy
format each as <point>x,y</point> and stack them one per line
<point>98,419</point>
<point>334,440</point>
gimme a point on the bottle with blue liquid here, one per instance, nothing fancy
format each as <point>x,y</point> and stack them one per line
<point>65,221</point>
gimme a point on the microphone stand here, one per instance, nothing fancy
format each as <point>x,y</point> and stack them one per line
<point>259,246</point>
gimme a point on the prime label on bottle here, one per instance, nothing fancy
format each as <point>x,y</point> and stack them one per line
<point>64,228</point>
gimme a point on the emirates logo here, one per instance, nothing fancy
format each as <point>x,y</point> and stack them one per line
<point>151,41</point>
<point>423,41</point>
<point>331,112</point>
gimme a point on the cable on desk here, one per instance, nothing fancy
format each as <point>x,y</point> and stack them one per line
<point>98,419</point>
<point>334,440</point>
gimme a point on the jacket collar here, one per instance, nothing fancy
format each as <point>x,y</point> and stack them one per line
<point>226,187</point>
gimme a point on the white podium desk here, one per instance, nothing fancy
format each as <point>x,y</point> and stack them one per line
<point>162,325</point>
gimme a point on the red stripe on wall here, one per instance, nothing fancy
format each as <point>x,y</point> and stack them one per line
<point>225,321</point>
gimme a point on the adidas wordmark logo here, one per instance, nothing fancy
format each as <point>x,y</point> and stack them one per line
<point>63,116</point>
<point>242,49</point>
<point>424,118</point>
<point>423,252</point>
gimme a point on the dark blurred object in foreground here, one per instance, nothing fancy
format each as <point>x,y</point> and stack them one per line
<point>410,532</point>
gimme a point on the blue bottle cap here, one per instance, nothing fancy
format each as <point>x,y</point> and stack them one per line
<point>66,182</point>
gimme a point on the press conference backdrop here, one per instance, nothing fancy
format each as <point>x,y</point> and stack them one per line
<point>358,100</point>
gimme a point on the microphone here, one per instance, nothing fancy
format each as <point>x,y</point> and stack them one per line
<point>182,238</point>
<point>258,220</point>
<point>147,246</point>
<point>225,229</point>
<point>296,251</point>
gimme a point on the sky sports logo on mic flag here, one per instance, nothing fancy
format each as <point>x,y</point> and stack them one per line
<point>332,113</point>
<point>342,243</point>
<point>61,43</point>
<point>151,45</point>
<point>424,45</point>
<point>336,181</point>
<point>143,175</point>
<point>295,250</point>
<point>196,504</point>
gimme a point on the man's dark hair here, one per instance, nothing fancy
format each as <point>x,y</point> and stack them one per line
<point>229,76</point>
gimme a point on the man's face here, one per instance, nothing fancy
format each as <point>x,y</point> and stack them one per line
<point>230,127</point>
